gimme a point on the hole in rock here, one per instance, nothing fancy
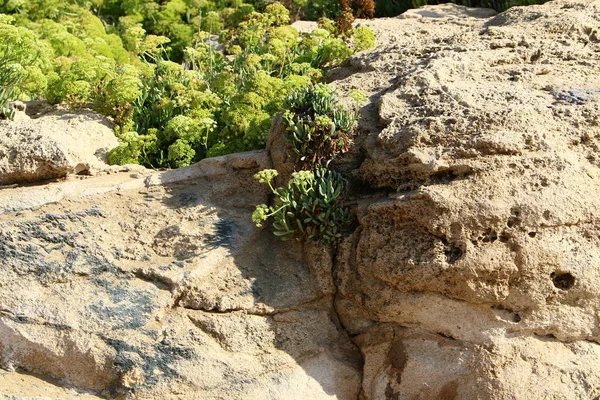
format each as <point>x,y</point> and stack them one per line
<point>512,221</point>
<point>504,237</point>
<point>516,317</point>
<point>453,254</point>
<point>490,236</point>
<point>532,234</point>
<point>564,281</point>
<point>446,176</point>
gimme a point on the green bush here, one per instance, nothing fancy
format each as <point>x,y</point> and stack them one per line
<point>176,92</point>
<point>308,208</point>
<point>23,61</point>
<point>364,38</point>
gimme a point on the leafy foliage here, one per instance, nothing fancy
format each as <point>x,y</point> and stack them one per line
<point>318,127</point>
<point>308,208</point>
<point>237,95</point>
<point>182,79</point>
<point>364,38</point>
<point>22,63</point>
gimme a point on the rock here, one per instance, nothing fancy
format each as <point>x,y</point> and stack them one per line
<point>449,10</point>
<point>18,385</point>
<point>160,286</point>
<point>53,146</point>
<point>280,151</point>
<point>475,272</point>
<point>305,26</point>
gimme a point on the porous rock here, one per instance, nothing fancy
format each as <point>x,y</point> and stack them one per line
<point>475,270</point>
<point>54,145</point>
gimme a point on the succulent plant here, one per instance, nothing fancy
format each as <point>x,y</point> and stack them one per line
<point>309,208</point>
<point>318,127</point>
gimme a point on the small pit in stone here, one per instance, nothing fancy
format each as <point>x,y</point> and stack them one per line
<point>512,221</point>
<point>562,280</point>
<point>504,237</point>
<point>453,254</point>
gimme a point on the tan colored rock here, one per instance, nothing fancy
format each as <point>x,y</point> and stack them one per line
<point>53,146</point>
<point>479,257</point>
<point>157,285</point>
<point>18,385</point>
<point>280,151</point>
<point>473,273</point>
<point>409,363</point>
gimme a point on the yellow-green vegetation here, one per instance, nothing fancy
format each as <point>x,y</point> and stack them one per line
<point>183,79</point>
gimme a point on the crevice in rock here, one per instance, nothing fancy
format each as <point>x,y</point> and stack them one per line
<point>446,335</point>
<point>257,311</point>
<point>160,281</point>
<point>549,336</point>
<point>338,322</point>
<point>26,319</point>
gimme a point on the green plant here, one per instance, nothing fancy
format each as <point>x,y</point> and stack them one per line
<point>308,208</point>
<point>9,78</point>
<point>182,79</point>
<point>21,57</point>
<point>318,127</point>
<point>364,38</point>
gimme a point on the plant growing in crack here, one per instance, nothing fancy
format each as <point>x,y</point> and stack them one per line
<point>308,208</point>
<point>318,127</point>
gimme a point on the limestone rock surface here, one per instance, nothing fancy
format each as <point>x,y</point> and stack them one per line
<point>475,271</point>
<point>157,285</point>
<point>54,145</point>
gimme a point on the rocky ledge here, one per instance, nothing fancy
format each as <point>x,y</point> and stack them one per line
<point>474,271</point>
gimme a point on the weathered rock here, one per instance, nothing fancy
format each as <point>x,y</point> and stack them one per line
<point>159,286</point>
<point>53,146</point>
<point>475,272</point>
<point>17,386</point>
<point>280,151</point>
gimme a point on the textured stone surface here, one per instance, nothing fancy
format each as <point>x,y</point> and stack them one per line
<point>18,385</point>
<point>54,145</point>
<point>159,286</point>
<point>475,272</point>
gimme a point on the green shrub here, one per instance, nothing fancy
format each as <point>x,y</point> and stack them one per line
<point>23,61</point>
<point>364,38</point>
<point>318,127</point>
<point>308,208</point>
<point>181,153</point>
<point>155,68</point>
